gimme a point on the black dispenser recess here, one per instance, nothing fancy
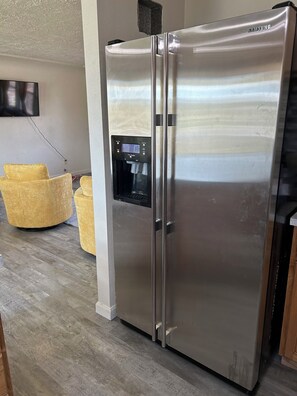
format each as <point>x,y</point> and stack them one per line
<point>131,163</point>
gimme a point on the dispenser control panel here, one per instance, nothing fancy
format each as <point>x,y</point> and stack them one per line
<point>131,148</point>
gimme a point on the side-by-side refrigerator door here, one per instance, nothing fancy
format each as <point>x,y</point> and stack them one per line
<point>229,91</point>
<point>132,74</point>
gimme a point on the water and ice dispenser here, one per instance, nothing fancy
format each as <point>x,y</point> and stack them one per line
<point>131,162</point>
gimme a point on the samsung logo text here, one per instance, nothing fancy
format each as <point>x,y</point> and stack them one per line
<point>259,28</point>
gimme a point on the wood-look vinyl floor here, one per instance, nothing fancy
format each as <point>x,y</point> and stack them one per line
<point>57,344</point>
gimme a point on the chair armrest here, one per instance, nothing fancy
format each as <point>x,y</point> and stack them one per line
<point>80,195</point>
<point>40,186</point>
<point>62,183</point>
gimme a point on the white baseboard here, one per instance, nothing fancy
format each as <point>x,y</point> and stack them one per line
<point>106,311</point>
<point>80,172</point>
<point>74,173</point>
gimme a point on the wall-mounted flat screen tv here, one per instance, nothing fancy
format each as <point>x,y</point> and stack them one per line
<point>19,99</point>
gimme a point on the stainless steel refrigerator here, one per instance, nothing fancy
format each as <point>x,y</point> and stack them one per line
<point>197,120</point>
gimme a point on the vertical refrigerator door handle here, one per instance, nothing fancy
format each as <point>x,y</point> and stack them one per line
<point>154,47</point>
<point>164,189</point>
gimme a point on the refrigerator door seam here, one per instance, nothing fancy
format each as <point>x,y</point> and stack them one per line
<point>164,189</point>
<point>154,48</point>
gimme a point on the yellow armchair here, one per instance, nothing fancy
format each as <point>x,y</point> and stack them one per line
<point>32,199</point>
<point>83,198</point>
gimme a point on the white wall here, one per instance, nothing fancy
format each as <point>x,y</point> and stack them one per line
<point>105,20</point>
<point>63,117</point>
<point>198,12</point>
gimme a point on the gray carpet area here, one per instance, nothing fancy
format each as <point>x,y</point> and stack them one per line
<point>73,219</point>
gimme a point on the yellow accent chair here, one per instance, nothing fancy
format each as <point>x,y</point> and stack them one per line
<point>83,199</point>
<point>32,199</point>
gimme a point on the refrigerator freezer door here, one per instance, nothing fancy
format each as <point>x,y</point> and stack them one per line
<point>129,78</point>
<point>231,88</point>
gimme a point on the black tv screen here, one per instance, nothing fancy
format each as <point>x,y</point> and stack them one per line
<point>18,99</point>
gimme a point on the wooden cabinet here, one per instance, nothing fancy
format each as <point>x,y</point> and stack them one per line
<point>5,381</point>
<point>288,346</point>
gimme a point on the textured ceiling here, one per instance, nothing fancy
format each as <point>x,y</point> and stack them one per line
<point>42,29</point>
